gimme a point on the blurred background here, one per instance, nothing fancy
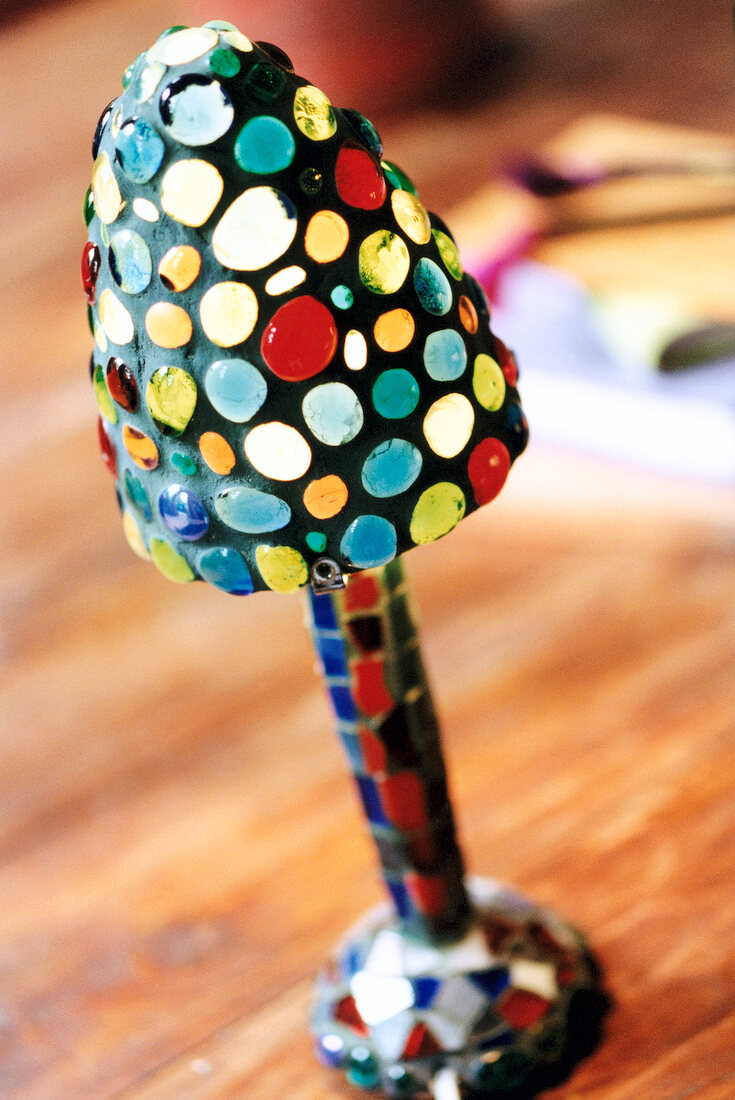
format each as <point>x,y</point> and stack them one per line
<point>179,846</point>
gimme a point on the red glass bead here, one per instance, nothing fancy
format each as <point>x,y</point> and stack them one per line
<point>300,339</point>
<point>109,457</point>
<point>121,384</point>
<point>90,269</point>
<point>420,1043</point>
<point>374,754</point>
<point>402,797</point>
<point>428,892</point>
<point>523,1009</point>
<point>488,468</point>
<point>506,362</point>
<point>362,593</point>
<point>359,179</point>
<point>369,689</point>
<point>347,1014</point>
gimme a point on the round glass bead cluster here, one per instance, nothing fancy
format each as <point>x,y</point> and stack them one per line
<point>289,360</point>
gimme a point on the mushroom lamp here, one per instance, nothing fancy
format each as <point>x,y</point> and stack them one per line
<point>297,383</point>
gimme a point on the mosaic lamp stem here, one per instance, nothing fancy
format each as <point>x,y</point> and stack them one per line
<point>457,987</point>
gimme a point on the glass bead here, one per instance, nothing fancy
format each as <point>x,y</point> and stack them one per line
<point>171,397</point>
<point>255,230</point>
<point>282,568</point>
<point>316,541</point>
<point>445,355</point>
<point>183,46</point>
<point>278,451</point>
<point>448,425</point>
<point>355,352</point>
<point>275,53</point>
<point>140,447</point>
<point>137,495</point>
<point>179,267</point>
<point>167,325</point>
<point>130,261</point>
<point>365,130</point>
<point>224,63</point>
<point>517,425</point>
<point>184,464</point>
<point>216,452</point>
<point>88,207</point>
<point>411,216</point>
<point>432,287</point>
<point>228,312</point>
<point>172,565</point>
<point>488,383</point>
<point>190,191</point>
<point>342,297</point>
<point>145,210</point>
<point>395,393</point>
<point>127,76</point>
<point>105,190</point>
<point>300,339</point>
<point>391,468</point>
<point>333,413</point>
<point>284,280</point>
<point>359,180</point>
<point>235,388</point>
<point>369,541</point>
<point>238,41</point>
<point>115,319</point>
<point>196,109</point>
<point>326,236</point>
<point>121,384</point>
<point>147,80</point>
<point>102,395</point>
<point>139,150</point>
<point>265,82</point>
<point>107,450</point>
<point>251,511</point>
<point>397,177</point>
<point>383,262</point>
<point>449,253</point>
<point>393,331</point>
<point>264,145</point>
<point>362,1068</point>
<point>100,129</point>
<point>468,314</point>
<point>133,536</point>
<point>325,497</point>
<point>314,114</point>
<point>438,510</point>
<point>311,181</point>
<point>507,362</point>
<point>224,568</point>
<point>488,469</point>
<point>183,512</point>
<point>91,262</point>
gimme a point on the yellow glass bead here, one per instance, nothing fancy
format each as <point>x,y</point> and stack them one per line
<point>394,330</point>
<point>179,267</point>
<point>140,447</point>
<point>99,337</point>
<point>190,191</point>
<point>171,397</point>
<point>183,46</point>
<point>228,312</point>
<point>115,319</point>
<point>314,114</point>
<point>449,253</point>
<point>145,209</point>
<point>238,41</point>
<point>133,535</point>
<point>411,216</point>
<point>217,452</point>
<point>355,352</point>
<point>108,201</point>
<point>285,279</point>
<point>448,424</point>
<point>278,451</point>
<point>383,262</point>
<point>488,382</point>
<point>439,509</point>
<point>171,564</point>
<point>282,568</point>
<point>104,400</point>
<point>325,497</point>
<point>326,236</point>
<point>168,325</point>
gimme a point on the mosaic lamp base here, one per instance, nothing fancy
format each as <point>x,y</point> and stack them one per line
<point>503,1012</point>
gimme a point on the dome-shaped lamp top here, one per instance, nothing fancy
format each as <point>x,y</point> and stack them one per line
<point>292,368</point>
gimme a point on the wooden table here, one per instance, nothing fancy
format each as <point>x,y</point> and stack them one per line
<point>179,844</point>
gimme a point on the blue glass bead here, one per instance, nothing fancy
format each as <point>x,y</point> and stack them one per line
<point>395,393</point>
<point>130,261</point>
<point>330,1050</point>
<point>264,145</point>
<point>139,150</point>
<point>225,569</point>
<point>251,511</point>
<point>332,653</point>
<point>100,129</point>
<point>137,495</point>
<point>343,703</point>
<point>432,287</point>
<point>362,1068</point>
<point>371,800</point>
<point>333,413</point>
<point>235,388</point>
<point>492,982</point>
<point>196,110</point>
<point>369,541</point>
<point>322,608</point>
<point>445,355</point>
<point>183,513</point>
<point>424,991</point>
<point>391,468</point>
<point>366,131</point>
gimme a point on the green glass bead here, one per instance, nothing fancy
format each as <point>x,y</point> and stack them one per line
<point>88,208</point>
<point>224,63</point>
<point>316,541</point>
<point>362,1068</point>
<point>184,464</point>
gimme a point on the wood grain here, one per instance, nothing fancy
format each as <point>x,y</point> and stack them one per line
<point>179,843</point>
